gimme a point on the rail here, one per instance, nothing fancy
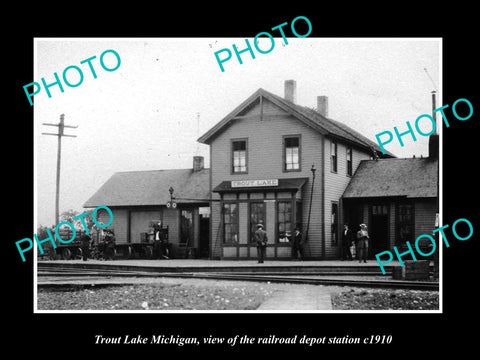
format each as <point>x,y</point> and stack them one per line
<point>292,277</point>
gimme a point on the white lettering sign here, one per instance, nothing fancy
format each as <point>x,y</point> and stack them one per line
<point>254,183</point>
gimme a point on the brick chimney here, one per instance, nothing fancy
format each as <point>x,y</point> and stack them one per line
<point>291,90</point>
<point>433,146</point>
<point>434,139</point>
<point>322,105</point>
<point>198,163</point>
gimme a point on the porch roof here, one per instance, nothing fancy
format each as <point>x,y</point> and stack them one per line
<point>289,184</point>
<point>411,178</point>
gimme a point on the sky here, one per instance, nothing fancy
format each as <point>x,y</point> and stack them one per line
<point>167,92</point>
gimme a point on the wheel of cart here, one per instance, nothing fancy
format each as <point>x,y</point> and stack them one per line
<point>142,251</point>
<point>148,251</point>
<point>128,252</point>
<point>66,253</point>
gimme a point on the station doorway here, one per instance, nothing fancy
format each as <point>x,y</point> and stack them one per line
<point>204,232</point>
<point>379,229</point>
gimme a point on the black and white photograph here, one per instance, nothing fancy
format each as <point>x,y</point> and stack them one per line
<point>217,192</point>
<point>264,183</point>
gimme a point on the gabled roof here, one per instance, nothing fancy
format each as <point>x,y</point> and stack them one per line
<point>137,188</point>
<point>310,117</point>
<point>411,178</point>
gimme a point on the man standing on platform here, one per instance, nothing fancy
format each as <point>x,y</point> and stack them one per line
<point>85,241</point>
<point>362,245</point>
<point>109,252</point>
<point>157,252</point>
<point>261,239</point>
<point>347,239</point>
<point>297,248</point>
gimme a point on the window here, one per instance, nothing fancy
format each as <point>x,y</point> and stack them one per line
<point>230,223</point>
<point>284,216</point>
<point>405,223</point>
<point>379,210</point>
<point>349,161</point>
<point>186,227</point>
<point>291,153</point>
<point>333,156</point>
<point>257,216</point>
<point>334,224</point>
<point>239,156</point>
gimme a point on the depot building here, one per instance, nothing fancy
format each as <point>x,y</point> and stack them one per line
<point>275,162</point>
<point>139,199</point>
<point>284,165</point>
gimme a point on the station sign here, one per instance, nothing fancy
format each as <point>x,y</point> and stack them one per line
<point>254,183</point>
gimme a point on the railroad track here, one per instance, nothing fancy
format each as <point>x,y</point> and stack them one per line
<point>48,276</point>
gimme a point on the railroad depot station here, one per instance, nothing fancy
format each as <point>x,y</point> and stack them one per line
<point>284,165</point>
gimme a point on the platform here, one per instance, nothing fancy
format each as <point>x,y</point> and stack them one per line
<point>197,265</point>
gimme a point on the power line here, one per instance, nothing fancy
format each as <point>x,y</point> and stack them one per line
<point>433,82</point>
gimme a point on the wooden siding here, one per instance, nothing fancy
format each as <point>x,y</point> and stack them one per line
<point>265,130</point>
<point>139,222</point>
<point>196,227</point>
<point>392,225</point>
<point>171,218</point>
<point>243,231</point>
<point>425,211</point>
<point>216,230</point>
<point>119,223</point>
<point>335,185</point>
<point>265,161</point>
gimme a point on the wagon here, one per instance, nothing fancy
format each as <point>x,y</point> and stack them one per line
<point>143,249</point>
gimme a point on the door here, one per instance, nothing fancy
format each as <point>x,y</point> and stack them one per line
<point>204,235</point>
<point>257,216</point>
<point>379,229</point>
<point>353,215</point>
<point>186,227</point>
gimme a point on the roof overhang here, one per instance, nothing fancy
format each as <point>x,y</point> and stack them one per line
<point>290,184</point>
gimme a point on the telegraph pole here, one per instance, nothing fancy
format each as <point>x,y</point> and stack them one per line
<point>61,125</point>
<point>310,206</point>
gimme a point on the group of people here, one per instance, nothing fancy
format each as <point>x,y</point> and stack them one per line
<point>105,249</point>
<point>359,241</point>
<point>261,240</point>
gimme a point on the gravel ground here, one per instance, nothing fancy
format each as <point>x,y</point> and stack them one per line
<point>202,294</point>
<point>165,295</point>
<point>381,299</point>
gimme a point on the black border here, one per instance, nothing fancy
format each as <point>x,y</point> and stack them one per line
<point>413,334</point>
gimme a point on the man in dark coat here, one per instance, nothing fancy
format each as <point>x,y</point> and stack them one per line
<point>157,251</point>
<point>261,239</point>
<point>297,248</point>
<point>109,245</point>
<point>85,241</point>
<point>347,239</point>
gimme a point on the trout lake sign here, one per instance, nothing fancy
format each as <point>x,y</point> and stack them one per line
<point>254,183</point>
